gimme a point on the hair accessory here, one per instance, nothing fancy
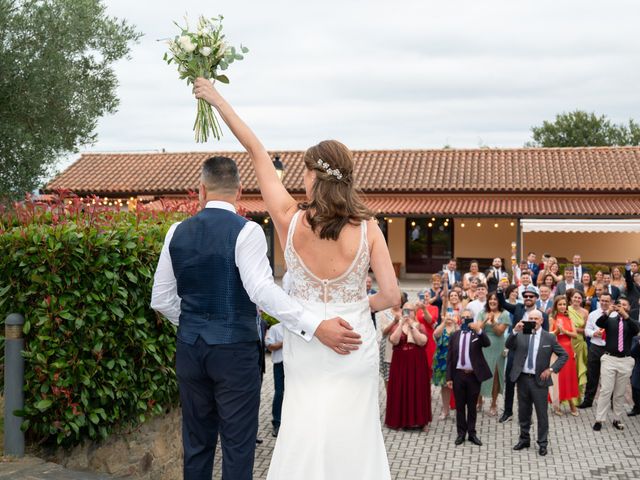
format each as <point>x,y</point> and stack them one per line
<point>334,172</point>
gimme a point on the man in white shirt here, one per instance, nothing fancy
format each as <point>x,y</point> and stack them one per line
<point>212,272</point>
<point>477,305</point>
<point>596,349</point>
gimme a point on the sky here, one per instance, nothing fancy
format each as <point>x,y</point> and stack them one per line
<point>382,74</point>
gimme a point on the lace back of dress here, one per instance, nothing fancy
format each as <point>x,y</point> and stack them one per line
<point>349,287</point>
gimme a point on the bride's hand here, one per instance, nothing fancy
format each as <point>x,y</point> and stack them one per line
<point>338,335</point>
<point>204,89</point>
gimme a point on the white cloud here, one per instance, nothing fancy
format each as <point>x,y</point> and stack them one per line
<point>405,74</point>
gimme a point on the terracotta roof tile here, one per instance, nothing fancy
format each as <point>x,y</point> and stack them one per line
<point>530,170</point>
<point>510,206</point>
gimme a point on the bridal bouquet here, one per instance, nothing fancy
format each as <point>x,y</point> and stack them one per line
<point>203,53</point>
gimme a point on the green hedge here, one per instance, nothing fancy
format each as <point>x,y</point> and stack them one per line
<point>97,357</point>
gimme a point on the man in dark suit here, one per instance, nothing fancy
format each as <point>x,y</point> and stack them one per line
<point>532,373</point>
<point>612,289</point>
<point>495,274</point>
<point>533,267</point>
<point>519,311</point>
<point>466,370</point>
<point>632,279</point>
<point>568,283</point>
<point>577,268</point>
<point>450,274</point>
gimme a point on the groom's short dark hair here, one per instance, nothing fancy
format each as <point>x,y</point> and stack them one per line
<point>220,174</point>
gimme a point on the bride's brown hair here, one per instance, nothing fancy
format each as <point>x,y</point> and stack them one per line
<point>335,201</point>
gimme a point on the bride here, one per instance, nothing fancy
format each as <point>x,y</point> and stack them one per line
<point>330,417</point>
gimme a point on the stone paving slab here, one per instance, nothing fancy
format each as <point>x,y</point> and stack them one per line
<point>32,468</point>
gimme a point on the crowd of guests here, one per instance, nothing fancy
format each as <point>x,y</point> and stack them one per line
<point>555,333</point>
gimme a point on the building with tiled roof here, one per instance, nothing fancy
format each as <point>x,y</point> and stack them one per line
<point>432,204</point>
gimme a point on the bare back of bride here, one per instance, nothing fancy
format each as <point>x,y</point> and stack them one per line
<point>330,417</point>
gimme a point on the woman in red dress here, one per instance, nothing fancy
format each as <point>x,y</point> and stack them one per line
<point>428,315</point>
<point>409,391</point>
<point>562,327</point>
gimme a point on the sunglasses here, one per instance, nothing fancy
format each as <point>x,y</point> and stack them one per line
<point>528,296</point>
<point>467,318</point>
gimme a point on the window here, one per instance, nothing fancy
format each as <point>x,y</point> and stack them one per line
<point>429,244</point>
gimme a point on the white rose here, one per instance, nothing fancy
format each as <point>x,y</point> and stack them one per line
<point>186,44</point>
<point>205,51</point>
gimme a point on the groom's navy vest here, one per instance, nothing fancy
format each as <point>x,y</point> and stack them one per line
<point>215,305</point>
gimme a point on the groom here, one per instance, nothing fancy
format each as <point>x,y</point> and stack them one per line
<point>212,271</point>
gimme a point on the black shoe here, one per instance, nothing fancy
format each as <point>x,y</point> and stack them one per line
<point>521,444</point>
<point>505,417</point>
<point>597,426</point>
<point>475,440</point>
<point>633,412</point>
<point>617,424</point>
<point>585,404</point>
<point>542,451</point>
<point>459,440</point>
<point>259,441</point>
<point>275,431</point>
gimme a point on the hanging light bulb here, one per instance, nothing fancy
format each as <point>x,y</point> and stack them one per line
<point>478,224</point>
<point>512,224</point>
<point>413,224</point>
<point>429,224</point>
<point>495,225</point>
<point>462,225</point>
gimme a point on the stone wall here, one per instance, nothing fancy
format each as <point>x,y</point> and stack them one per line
<point>153,451</point>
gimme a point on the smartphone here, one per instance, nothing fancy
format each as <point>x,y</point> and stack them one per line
<point>406,312</point>
<point>421,296</point>
<point>465,324</point>
<point>528,327</point>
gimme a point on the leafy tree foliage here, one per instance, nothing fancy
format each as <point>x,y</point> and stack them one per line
<point>582,129</point>
<point>56,81</point>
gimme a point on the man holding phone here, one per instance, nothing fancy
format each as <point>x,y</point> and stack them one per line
<point>466,370</point>
<point>519,311</point>
<point>616,365</point>
<point>532,373</point>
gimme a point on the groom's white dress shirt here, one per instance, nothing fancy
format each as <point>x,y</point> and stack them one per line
<point>255,273</point>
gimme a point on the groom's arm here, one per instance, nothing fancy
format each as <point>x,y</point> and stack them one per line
<point>257,279</point>
<point>164,296</point>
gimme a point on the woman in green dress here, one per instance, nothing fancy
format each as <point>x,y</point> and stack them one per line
<point>578,316</point>
<point>496,320</point>
<point>441,335</point>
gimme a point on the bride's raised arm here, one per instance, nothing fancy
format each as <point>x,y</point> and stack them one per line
<point>280,205</point>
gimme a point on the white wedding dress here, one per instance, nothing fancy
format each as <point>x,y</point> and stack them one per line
<point>330,426</point>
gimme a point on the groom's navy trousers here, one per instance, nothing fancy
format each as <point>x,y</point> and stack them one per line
<point>220,394</point>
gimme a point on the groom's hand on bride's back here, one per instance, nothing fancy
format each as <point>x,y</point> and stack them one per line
<point>338,335</point>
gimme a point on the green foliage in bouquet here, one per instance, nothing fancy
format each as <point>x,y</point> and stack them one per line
<point>203,53</point>
<point>97,357</point>
<point>271,321</point>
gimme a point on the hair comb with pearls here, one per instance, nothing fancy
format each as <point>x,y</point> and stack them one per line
<point>327,168</point>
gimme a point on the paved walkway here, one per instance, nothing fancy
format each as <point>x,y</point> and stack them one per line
<point>575,451</point>
<point>31,468</point>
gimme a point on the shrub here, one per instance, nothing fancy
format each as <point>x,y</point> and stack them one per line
<point>96,355</point>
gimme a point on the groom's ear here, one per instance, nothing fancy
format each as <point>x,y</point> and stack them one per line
<point>239,193</point>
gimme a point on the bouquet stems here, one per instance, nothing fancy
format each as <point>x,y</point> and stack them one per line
<point>206,123</point>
